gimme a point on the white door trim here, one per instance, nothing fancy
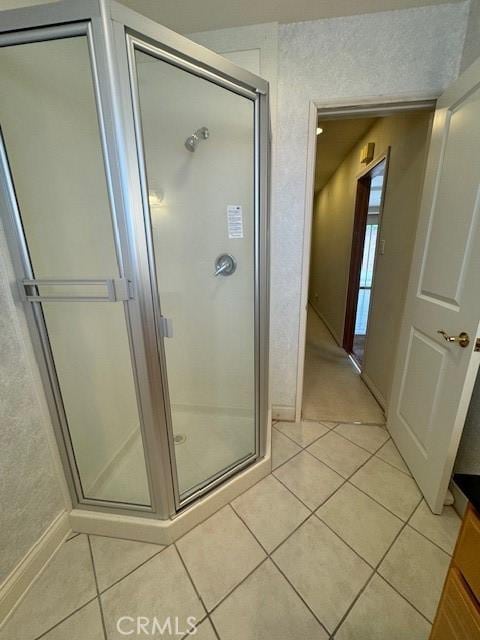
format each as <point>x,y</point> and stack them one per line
<point>334,109</point>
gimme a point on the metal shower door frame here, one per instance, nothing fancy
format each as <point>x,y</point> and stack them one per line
<point>107,26</point>
<point>133,31</point>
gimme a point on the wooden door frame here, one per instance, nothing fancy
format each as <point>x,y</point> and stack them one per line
<point>360,217</point>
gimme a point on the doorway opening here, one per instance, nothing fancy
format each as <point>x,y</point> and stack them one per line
<point>367,217</point>
<point>369,168</point>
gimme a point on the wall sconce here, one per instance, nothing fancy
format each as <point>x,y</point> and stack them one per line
<point>367,153</point>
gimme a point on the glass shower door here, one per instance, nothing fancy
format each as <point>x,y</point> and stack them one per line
<point>76,285</point>
<point>198,141</point>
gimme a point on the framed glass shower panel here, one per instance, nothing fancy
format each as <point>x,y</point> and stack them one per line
<point>53,157</point>
<point>199,144</point>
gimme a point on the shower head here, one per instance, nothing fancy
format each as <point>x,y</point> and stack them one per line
<point>193,141</point>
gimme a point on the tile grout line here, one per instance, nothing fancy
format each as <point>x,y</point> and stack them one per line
<point>269,557</point>
<point>345,480</point>
<point>96,587</point>
<point>300,596</point>
<point>223,598</point>
<point>334,430</point>
<point>359,445</point>
<point>365,493</point>
<point>372,567</point>
<point>110,586</point>
<point>304,446</point>
<point>42,635</point>
<point>72,537</point>
<point>313,513</point>
<point>269,554</point>
<point>376,572</point>
<point>217,635</point>
<point>435,544</point>
<point>407,524</point>
<point>18,602</point>
<point>174,544</point>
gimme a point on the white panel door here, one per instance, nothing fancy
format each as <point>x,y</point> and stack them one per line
<point>434,378</point>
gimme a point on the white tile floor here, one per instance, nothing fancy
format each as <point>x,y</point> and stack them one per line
<point>335,543</point>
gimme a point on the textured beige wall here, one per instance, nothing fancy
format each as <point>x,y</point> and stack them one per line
<point>471,46</point>
<point>407,135</point>
<point>31,491</point>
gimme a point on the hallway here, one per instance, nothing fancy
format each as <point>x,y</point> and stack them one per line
<point>333,389</point>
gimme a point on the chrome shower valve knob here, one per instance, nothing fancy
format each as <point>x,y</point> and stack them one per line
<point>225,265</point>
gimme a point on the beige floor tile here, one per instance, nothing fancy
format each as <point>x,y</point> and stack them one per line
<point>265,607</point>
<point>339,453</point>
<point>324,571</point>
<point>381,614</point>
<point>389,453</point>
<point>443,529</point>
<point>65,585</point>
<point>329,425</point>
<point>389,486</point>
<point>309,479</point>
<point>219,553</point>
<point>114,558</point>
<point>158,589</point>
<point>370,437</point>
<point>333,389</point>
<point>304,432</point>
<point>86,624</point>
<point>416,568</point>
<point>204,632</point>
<point>270,511</point>
<point>282,448</point>
<point>361,522</point>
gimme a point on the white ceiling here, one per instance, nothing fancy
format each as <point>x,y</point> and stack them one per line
<point>337,139</point>
<point>189,16</point>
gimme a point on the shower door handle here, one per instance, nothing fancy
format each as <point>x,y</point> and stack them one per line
<point>99,290</point>
<point>166,327</point>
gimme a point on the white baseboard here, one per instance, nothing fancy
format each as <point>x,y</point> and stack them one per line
<point>22,576</point>
<point>337,339</point>
<point>375,392</point>
<point>283,413</point>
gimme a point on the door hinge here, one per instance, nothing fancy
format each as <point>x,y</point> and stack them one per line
<point>477,344</point>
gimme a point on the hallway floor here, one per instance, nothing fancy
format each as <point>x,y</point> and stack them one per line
<point>335,543</point>
<point>333,388</point>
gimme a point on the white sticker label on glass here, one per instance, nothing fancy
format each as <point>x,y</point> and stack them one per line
<point>235,221</point>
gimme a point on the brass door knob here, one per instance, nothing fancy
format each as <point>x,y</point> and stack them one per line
<point>463,339</point>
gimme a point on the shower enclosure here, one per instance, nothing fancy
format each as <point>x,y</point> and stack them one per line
<point>134,179</point>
